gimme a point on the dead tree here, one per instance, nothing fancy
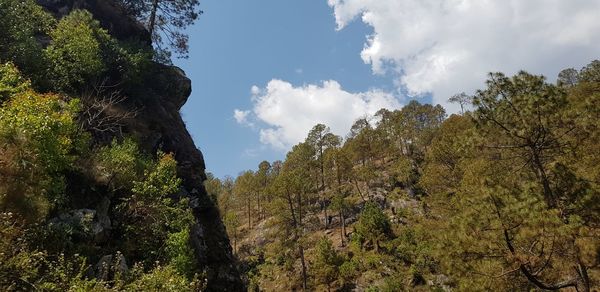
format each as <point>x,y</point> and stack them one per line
<point>104,113</point>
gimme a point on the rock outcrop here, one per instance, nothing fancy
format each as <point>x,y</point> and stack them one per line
<point>158,125</point>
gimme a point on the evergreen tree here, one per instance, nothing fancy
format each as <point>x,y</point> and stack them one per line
<point>166,21</point>
<point>373,225</point>
<point>327,262</point>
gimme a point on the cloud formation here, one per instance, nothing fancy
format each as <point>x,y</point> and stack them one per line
<point>240,116</point>
<point>445,46</point>
<point>437,47</point>
<point>288,112</point>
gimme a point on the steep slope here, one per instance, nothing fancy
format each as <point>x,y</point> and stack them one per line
<point>158,125</point>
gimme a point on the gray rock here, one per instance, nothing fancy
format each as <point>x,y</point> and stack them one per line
<point>441,281</point>
<point>109,266</point>
<point>88,222</point>
<point>102,213</point>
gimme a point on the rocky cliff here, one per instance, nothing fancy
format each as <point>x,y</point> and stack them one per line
<point>158,125</point>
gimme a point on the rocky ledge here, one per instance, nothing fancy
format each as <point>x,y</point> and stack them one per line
<point>158,125</point>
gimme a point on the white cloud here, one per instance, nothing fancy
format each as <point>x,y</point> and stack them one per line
<point>240,116</point>
<point>447,46</point>
<point>255,90</point>
<point>250,153</point>
<point>290,112</point>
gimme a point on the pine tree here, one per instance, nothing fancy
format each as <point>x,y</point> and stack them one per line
<point>166,20</point>
<point>327,262</point>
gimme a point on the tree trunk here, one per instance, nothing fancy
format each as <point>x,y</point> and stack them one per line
<point>541,174</point>
<point>248,211</point>
<point>343,229</point>
<point>299,199</point>
<point>297,225</point>
<point>326,218</point>
<point>358,189</point>
<point>258,205</point>
<point>322,166</point>
<point>583,281</point>
<point>304,277</point>
<point>152,20</point>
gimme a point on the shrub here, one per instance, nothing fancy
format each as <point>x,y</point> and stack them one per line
<point>155,216</point>
<point>327,262</point>
<point>373,225</point>
<point>11,82</point>
<point>120,164</point>
<point>161,180</point>
<point>21,22</point>
<point>348,270</point>
<point>163,278</point>
<point>38,143</point>
<point>181,254</point>
<point>75,54</point>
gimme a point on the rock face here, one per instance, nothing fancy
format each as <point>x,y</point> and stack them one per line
<point>158,125</point>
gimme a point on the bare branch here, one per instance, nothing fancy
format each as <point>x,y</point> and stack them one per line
<point>103,111</point>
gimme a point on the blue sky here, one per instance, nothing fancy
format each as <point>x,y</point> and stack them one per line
<point>238,44</point>
<point>282,66</point>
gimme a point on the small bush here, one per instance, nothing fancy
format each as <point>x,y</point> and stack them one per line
<point>373,225</point>
<point>75,54</point>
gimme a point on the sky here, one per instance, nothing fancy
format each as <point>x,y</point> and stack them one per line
<point>264,72</point>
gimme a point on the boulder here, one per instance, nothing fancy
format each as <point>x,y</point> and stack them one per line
<point>110,265</point>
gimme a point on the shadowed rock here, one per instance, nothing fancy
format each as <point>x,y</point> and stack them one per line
<point>158,126</point>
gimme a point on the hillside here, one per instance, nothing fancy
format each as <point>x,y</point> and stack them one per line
<point>503,196</point>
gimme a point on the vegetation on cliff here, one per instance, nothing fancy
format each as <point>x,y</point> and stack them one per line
<point>86,204</point>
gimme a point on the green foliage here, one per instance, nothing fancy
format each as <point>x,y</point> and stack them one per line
<point>373,225</point>
<point>161,180</point>
<point>75,54</point>
<point>80,54</point>
<point>523,117</point>
<point>518,172</point>
<point>567,77</point>
<point>16,261</point>
<point>46,122</point>
<point>38,139</point>
<point>402,171</point>
<point>166,21</point>
<point>156,218</point>
<point>162,278</point>
<point>590,73</point>
<point>180,253</point>
<point>392,284</point>
<point>23,268</point>
<point>339,203</point>
<point>232,223</point>
<point>46,169</point>
<point>63,274</point>
<point>327,262</point>
<point>444,165</point>
<point>120,164</point>
<point>21,23</point>
<point>212,186</point>
<point>11,82</point>
<point>348,271</point>
<point>502,197</point>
